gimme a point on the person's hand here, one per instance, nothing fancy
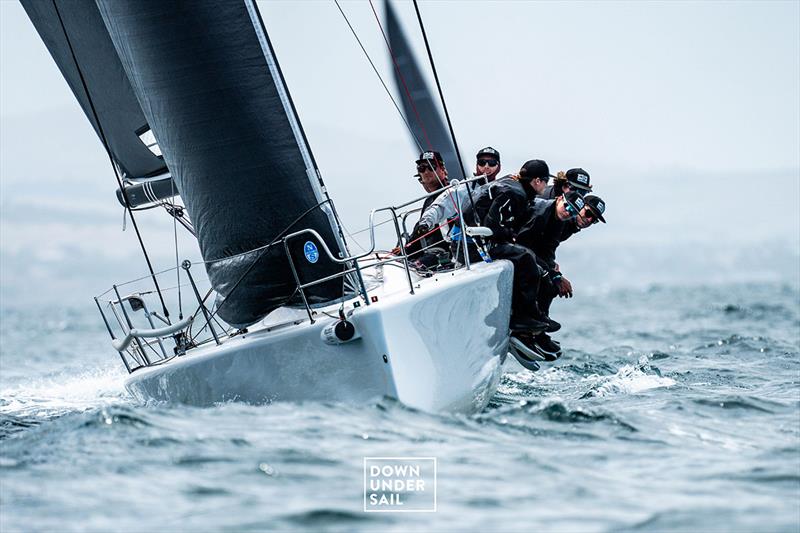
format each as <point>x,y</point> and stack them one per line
<point>565,288</point>
<point>419,231</point>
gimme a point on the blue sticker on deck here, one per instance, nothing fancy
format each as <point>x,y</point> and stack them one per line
<point>311,252</point>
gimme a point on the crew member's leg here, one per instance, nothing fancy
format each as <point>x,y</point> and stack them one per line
<point>526,281</point>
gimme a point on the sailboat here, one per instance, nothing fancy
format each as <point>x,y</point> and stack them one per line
<point>191,106</point>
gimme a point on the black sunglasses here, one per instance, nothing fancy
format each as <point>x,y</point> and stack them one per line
<point>489,162</point>
<point>423,168</point>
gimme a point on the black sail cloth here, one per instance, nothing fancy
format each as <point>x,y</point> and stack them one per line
<point>423,114</point>
<point>116,104</point>
<point>207,81</point>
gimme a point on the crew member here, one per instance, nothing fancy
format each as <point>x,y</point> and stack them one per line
<point>487,163</point>
<point>574,179</point>
<point>503,207</point>
<point>552,222</point>
<point>592,213</point>
<point>432,174</point>
<point>444,210</point>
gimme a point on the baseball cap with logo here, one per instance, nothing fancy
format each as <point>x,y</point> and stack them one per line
<point>596,205</point>
<point>575,199</point>
<point>430,156</point>
<point>488,151</point>
<point>579,178</point>
<point>535,168</point>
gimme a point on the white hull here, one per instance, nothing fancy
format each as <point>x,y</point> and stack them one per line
<point>440,349</point>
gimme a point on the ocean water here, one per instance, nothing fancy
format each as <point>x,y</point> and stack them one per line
<point>674,407</point>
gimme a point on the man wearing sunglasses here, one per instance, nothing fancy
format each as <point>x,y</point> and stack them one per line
<point>444,207</point>
<point>591,214</point>
<point>432,174</point>
<point>487,163</point>
<point>574,179</point>
<point>431,171</point>
<point>542,233</point>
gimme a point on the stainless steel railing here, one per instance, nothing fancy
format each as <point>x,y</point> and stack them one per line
<point>157,339</point>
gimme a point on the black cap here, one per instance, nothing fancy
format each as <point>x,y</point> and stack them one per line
<point>490,152</point>
<point>579,179</point>
<point>575,198</point>
<point>430,155</point>
<point>597,206</point>
<point>535,168</point>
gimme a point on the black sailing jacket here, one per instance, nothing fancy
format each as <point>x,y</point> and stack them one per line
<point>542,232</point>
<point>501,206</point>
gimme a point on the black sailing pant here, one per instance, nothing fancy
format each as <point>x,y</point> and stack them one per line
<point>547,293</point>
<point>527,275</point>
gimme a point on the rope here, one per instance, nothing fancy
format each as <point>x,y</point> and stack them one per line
<point>110,158</point>
<point>446,112</point>
<point>377,73</point>
<point>439,86</point>
<point>400,75</point>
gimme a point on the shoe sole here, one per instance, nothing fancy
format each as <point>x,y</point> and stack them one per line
<point>526,352</point>
<point>526,363</point>
<point>548,356</point>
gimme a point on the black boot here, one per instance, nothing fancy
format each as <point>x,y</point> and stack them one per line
<point>523,353</point>
<point>527,324</point>
<point>552,325</point>
<point>544,346</point>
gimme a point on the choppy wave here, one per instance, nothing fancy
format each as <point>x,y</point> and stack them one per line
<point>39,399</point>
<point>687,393</point>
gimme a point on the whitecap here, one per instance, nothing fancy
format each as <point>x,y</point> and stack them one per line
<point>63,393</point>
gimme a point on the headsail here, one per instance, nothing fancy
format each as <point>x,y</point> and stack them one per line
<point>423,115</point>
<point>116,105</point>
<point>207,82</point>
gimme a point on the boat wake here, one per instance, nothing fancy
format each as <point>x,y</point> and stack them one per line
<point>59,394</point>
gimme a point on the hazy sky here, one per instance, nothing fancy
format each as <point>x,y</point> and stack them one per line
<point>695,85</point>
<point>655,99</point>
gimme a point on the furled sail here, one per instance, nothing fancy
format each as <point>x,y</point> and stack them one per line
<point>423,115</point>
<point>147,191</point>
<point>116,105</point>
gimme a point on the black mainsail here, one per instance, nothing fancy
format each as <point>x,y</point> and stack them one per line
<point>421,110</point>
<point>207,82</point>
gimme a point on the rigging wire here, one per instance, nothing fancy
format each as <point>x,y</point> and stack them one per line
<point>177,261</point>
<point>446,114</point>
<point>377,73</point>
<point>110,157</point>
<point>402,79</point>
<point>439,86</point>
<point>411,99</point>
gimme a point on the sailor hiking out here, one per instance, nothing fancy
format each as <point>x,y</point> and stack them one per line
<point>503,207</point>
